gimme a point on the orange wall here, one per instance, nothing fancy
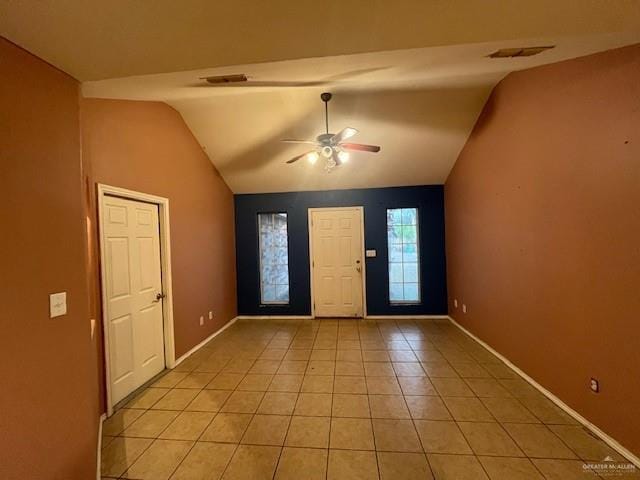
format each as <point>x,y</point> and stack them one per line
<point>48,385</point>
<point>543,232</point>
<point>147,147</point>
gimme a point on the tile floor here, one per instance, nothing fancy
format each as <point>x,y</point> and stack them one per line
<point>344,399</point>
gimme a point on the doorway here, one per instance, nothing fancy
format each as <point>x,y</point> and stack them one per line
<point>136,292</point>
<point>336,252</point>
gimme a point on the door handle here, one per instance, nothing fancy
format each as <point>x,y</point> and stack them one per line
<point>359,269</point>
<point>159,297</point>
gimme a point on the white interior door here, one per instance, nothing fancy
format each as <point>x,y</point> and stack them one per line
<point>133,287</point>
<point>336,249</point>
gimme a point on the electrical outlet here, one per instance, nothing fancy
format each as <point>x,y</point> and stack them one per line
<point>455,302</point>
<point>464,308</point>
<point>594,384</point>
<point>210,315</point>
<point>201,321</point>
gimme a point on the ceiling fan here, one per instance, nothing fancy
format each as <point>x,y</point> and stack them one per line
<point>332,147</point>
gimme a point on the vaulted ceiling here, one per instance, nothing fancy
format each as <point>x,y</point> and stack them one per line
<point>412,76</point>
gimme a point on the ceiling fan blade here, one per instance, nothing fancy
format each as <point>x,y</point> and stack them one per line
<point>298,157</point>
<point>343,134</point>
<point>308,142</point>
<point>359,147</point>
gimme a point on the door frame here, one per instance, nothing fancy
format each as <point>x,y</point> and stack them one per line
<point>165,265</point>
<point>362,249</point>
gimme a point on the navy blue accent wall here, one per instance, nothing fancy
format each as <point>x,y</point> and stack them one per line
<point>430,203</point>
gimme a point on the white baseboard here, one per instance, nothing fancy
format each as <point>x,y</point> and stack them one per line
<point>406,317</point>
<point>597,431</point>
<point>274,317</point>
<point>101,420</point>
<point>204,342</point>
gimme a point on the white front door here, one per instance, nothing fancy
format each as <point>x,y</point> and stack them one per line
<point>336,250</point>
<point>133,286</point>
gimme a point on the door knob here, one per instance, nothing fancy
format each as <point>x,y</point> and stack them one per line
<point>159,297</point>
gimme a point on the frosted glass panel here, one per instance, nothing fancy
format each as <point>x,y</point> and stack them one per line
<point>274,258</point>
<point>404,257</point>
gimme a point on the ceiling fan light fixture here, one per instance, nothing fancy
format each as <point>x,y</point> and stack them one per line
<point>313,157</point>
<point>327,151</point>
<point>343,156</point>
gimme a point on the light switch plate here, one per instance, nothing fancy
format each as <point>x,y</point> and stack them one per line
<point>371,253</point>
<point>57,304</point>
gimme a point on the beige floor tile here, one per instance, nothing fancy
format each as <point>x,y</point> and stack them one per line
<point>376,356</point>
<point>470,370</point>
<point>538,441</point>
<point>267,430</point>
<point>392,435</point>
<point>302,463</point>
<point>383,386</point>
<point>585,444</point>
<point>489,438</point>
<point>196,380</point>
<point>209,400</point>
<point>151,424</point>
<point>408,369</point>
<point>488,387</point>
<point>349,385</point>
<point>317,384</point>
<point>205,461</point>
<point>452,387</point>
<point>467,409</point>
<point>509,410</point>
<point>188,426</point>
<point>352,465</point>
<point>147,398</point>
<point>378,369</point>
<point>499,370</point>
<point>120,420</point>
<point>547,412</point>
<point>520,388</point>
<point>416,386</point>
<point>321,367</point>
<point>292,367</point>
<point>439,370</point>
<point>310,432</point>
<point>398,345</point>
<point>159,460</point>
<point>351,434</point>
<point>427,408</point>
<point>323,354</point>
<point>503,468</point>
<point>348,405</point>
<point>253,462</point>
<point>273,354</point>
<point>388,406</point>
<point>176,399</point>
<point>403,466</point>
<point>265,367</point>
<point>120,455</point>
<point>372,345</point>
<point>225,381</point>
<point>348,356</point>
<point>456,467</point>
<point>313,405</point>
<point>298,354</point>
<point>278,403</point>
<point>563,469</point>
<point>255,383</point>
<point>286,383</point>
<point>441,437</point>
<point>431,355</point>
<point>402,356</point>
<point>349,368</point>
<point>170,379</point>
<point>242,402</point>
<point>227,427</point>
<point>348,344</point>
<point>325,345</point>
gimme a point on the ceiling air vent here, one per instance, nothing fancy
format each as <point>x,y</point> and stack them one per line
<point>216,80</point>
<point>519,52</point>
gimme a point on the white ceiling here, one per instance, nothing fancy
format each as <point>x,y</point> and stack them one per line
<point>411,75</point>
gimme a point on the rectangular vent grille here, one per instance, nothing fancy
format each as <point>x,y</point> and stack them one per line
<point>226,79</point>
<point>519,52</point>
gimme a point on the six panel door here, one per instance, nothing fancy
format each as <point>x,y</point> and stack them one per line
<point>336,237</point>
<point>131,243</point>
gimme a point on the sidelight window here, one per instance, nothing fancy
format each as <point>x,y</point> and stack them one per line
<point>274,258</point>
<point>404,255</point>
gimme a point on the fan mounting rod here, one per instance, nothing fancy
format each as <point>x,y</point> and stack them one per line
<point>326,96</point>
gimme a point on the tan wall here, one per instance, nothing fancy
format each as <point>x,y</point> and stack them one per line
<point>48,385</point>
<point>543,232</point>
<point>147,147</point>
